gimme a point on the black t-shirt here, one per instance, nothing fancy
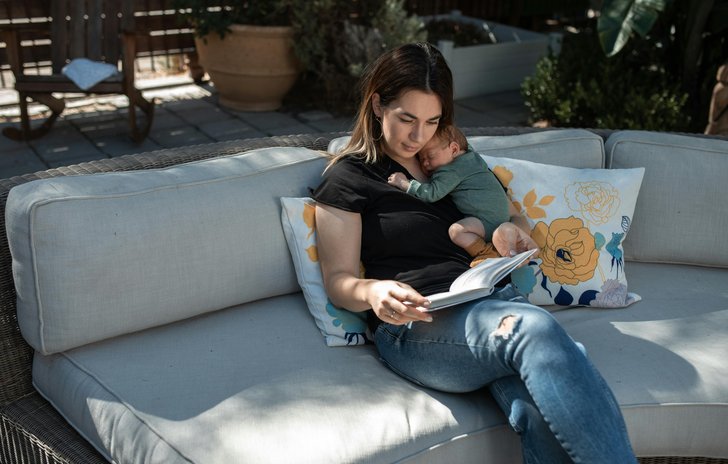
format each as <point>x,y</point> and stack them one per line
<point>403,238</point>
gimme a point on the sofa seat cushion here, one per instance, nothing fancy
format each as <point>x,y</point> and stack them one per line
<point>231,386</point>
<point>255,384</point>
<point>664,358</point>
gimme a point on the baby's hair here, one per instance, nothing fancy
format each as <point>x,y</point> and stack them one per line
<point>449,133</point>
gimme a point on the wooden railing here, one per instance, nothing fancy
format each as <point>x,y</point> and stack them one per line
<point>161,37</point>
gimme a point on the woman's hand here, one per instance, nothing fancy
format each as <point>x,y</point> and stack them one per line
<point>339,245</point>
<point>397,303</point>
<point>510,240</point>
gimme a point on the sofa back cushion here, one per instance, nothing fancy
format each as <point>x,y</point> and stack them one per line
<point>102,255</point>
<point>574,148</point>
<point>681,214</point>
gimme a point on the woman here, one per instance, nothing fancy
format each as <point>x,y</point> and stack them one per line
<point>552,395</point>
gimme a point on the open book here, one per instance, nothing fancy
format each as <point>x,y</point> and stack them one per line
<point>478,281</point>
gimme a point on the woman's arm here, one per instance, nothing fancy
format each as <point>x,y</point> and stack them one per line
<point>339,244</point>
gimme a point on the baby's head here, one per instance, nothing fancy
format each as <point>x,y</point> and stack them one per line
<point>447,143</point>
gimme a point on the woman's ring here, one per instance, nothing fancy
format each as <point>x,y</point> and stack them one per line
<point>394,313</point>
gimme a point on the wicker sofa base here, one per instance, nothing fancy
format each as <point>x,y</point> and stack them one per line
<point>32,432</point>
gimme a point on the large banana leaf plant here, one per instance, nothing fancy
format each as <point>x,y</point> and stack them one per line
<point>698,28</point>
<point>618,19</point>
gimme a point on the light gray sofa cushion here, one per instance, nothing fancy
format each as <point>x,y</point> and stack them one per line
<point>682,213</point>
<point>575,148</point>
<point>102,255</point>
<point>256,384</point>
<point>233,385</point>
<point>664,358</point>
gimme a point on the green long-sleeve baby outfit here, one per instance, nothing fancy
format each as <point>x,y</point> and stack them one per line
<point>473,187</point>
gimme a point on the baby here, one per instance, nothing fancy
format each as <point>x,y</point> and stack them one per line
<point>462,173</point>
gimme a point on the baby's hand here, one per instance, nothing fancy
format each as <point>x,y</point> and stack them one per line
<point>399,180</point>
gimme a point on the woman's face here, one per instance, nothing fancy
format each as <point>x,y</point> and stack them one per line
<point>408,123</point>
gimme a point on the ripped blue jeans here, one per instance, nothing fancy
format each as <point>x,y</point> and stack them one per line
<point>552,395</point>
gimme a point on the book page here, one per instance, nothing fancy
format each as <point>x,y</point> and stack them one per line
<point>489,272</point>
<point>479,281</point>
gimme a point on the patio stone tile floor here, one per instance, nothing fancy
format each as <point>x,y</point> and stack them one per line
<point>186,113</point>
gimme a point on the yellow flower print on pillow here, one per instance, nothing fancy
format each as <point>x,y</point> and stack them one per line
<point>596,201</point>
<point>309,218</point>
<point>531,206</point>
<point>579,217</point>
<point>505,176</point>
<point>338,326</point>
<point>568,251</point>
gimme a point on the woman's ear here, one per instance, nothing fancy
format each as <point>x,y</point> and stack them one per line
<point>377,105</point>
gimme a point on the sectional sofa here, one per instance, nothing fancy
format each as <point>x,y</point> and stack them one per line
<point>151,312</point>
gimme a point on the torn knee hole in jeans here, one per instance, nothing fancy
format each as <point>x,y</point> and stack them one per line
<point>506,327</point>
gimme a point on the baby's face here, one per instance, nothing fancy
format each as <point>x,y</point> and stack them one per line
<point>434,154</point>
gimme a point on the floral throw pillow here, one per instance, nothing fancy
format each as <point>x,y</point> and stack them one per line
<point>339,326</point>
<point>579,219</point>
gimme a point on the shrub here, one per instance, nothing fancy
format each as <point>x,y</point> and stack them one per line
<point>581,87</point>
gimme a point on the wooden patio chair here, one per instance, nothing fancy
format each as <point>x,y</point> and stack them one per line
<point>99,30</point>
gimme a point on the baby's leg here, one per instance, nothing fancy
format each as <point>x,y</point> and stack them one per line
<point>468,234</point>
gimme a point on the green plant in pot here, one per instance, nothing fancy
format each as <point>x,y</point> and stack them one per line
<point>246,48</point>
<point>337,39</point>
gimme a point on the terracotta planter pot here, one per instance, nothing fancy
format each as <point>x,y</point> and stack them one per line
<point>252,68</point>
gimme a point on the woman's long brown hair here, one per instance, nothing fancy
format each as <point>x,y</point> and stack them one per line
<point>416,66</point>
